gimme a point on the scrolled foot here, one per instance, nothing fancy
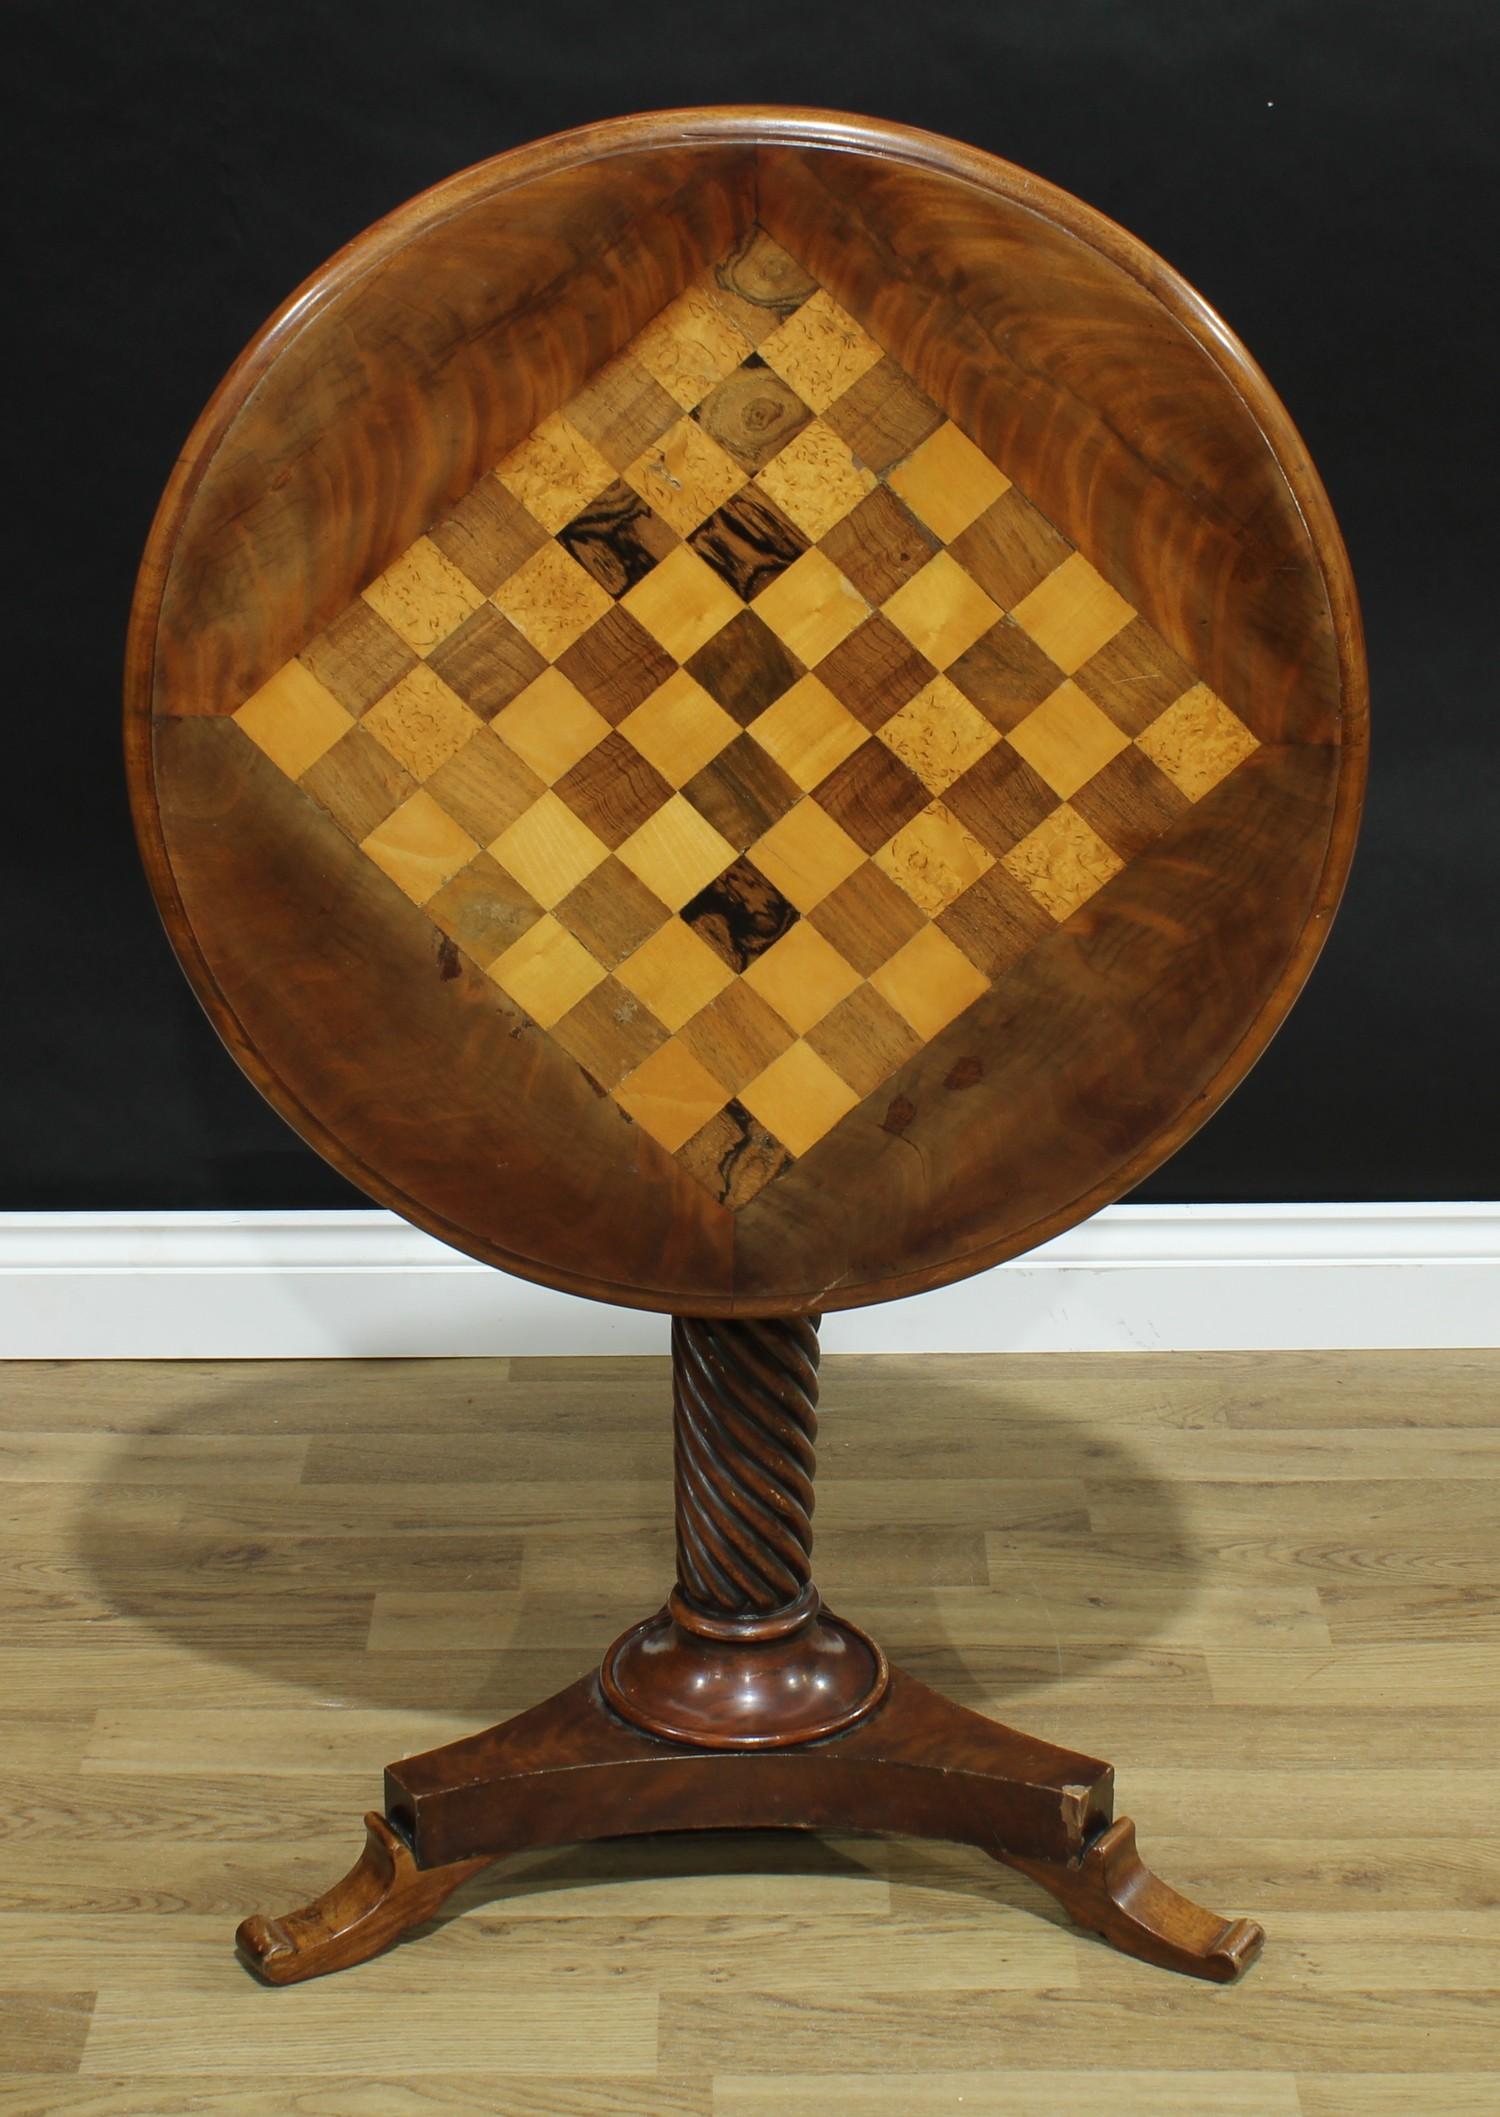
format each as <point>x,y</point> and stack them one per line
<point>1110,1890</point>
<point>383,1894</point>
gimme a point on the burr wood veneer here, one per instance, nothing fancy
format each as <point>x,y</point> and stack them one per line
<point>745,712</point>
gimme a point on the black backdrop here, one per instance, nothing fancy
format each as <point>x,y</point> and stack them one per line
<point>1318,168</point>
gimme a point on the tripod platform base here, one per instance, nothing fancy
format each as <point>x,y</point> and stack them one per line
<point>571,1770</point>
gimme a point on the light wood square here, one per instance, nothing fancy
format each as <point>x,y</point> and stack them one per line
<point>689,346</point>
<point>941,610</point>
<point>293,719</point>
<point>1066,739</point>
<point>811,607</point>
<point>682,602</point>
<point>799,1097</point>
<point>934,859</point>
<point>1197,742</point>
<point>675,852</point>
<point>1062,862</point>
<point>421,722</point>
<point>808,732</point>
<point>802,976</point>
<point>685,476</point>
<point>1072,613</point>
<point>938,734</point>
<point>815,479</point>
<point>555,472</point>
<point>672,1096</point>
<point>552,599</point>
<point>948,482</point>
<point>549,850</point>
<point>547,971</point>
<point>674,973</point>
<point>550,725</point>
<point>419,846</point>
<point>423,596</point>
<point>929,981</point>
<point>820,351</point>
<point>679,728</point>
<point>806,854</point>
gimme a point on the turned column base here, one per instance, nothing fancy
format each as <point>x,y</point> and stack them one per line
<point>744,1683</point>
<point>572,1770</point>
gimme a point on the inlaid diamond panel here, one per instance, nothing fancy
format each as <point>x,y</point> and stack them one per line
<point>746,723</point>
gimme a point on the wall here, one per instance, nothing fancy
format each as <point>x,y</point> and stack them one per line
<point>1312,168</point>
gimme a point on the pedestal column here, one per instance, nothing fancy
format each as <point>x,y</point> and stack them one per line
<point>743,1656</point>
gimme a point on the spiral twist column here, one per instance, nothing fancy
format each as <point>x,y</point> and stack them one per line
<point>743,1657</point>
<point>745,1398</point>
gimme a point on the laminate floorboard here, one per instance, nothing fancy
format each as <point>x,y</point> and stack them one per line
<point>1263,1586</point>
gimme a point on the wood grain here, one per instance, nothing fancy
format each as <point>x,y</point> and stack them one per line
<point>1021,429</point>
<point>205,1757</point>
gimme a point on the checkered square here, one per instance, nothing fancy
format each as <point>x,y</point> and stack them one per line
<point>746,723</point>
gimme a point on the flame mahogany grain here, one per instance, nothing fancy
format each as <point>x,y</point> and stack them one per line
<point>1126,409</point>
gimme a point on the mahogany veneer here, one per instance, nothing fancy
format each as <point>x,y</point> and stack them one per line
<point>746,712</point>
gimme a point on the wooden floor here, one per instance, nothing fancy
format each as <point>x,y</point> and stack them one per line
<point>1266,1588</point>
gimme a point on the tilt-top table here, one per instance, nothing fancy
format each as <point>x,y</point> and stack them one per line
<point>745,712</point>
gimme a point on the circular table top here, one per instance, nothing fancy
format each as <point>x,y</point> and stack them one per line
<point>745,711</point>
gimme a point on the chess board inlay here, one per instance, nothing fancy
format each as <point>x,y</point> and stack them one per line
<point>746,724</point>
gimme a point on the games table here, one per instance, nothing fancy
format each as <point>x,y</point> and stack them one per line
<point>745,712</point>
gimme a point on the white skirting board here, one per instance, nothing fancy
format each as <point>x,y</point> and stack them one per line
<point>299,1286</point>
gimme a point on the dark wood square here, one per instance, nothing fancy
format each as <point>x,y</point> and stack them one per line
<point>871,795</point>
<point>737,1035</point>
<point>752,413</point>
<point>485,786</point>
<point>884,416</point>
<point>1010,549</point>
<point>867,918</point>
<point>864,1039</point>
<point>1135,676</point>
<point>734,1156</point>
<point>358,782</point>
<point>995,922</point>
<point>616,664</point>
<point>879,544</point>
<point>1000,798</point>
<point>748,542</point>
<point>614,789</point>
<point>875,671</point>
<point>761,284</point>
<point>745,667</point>
<point>619,538</point>
<point>1130,803</point>
<point>740,914</point>
<point>358,658</point>
<point>1005,673</point>
<point>484,910</point>
<point>742,791</point>
<point>488,535</point>
<point>612,912</point>
<point>487,661</point>
<point>610,1032</point>
<point>622,411</point>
